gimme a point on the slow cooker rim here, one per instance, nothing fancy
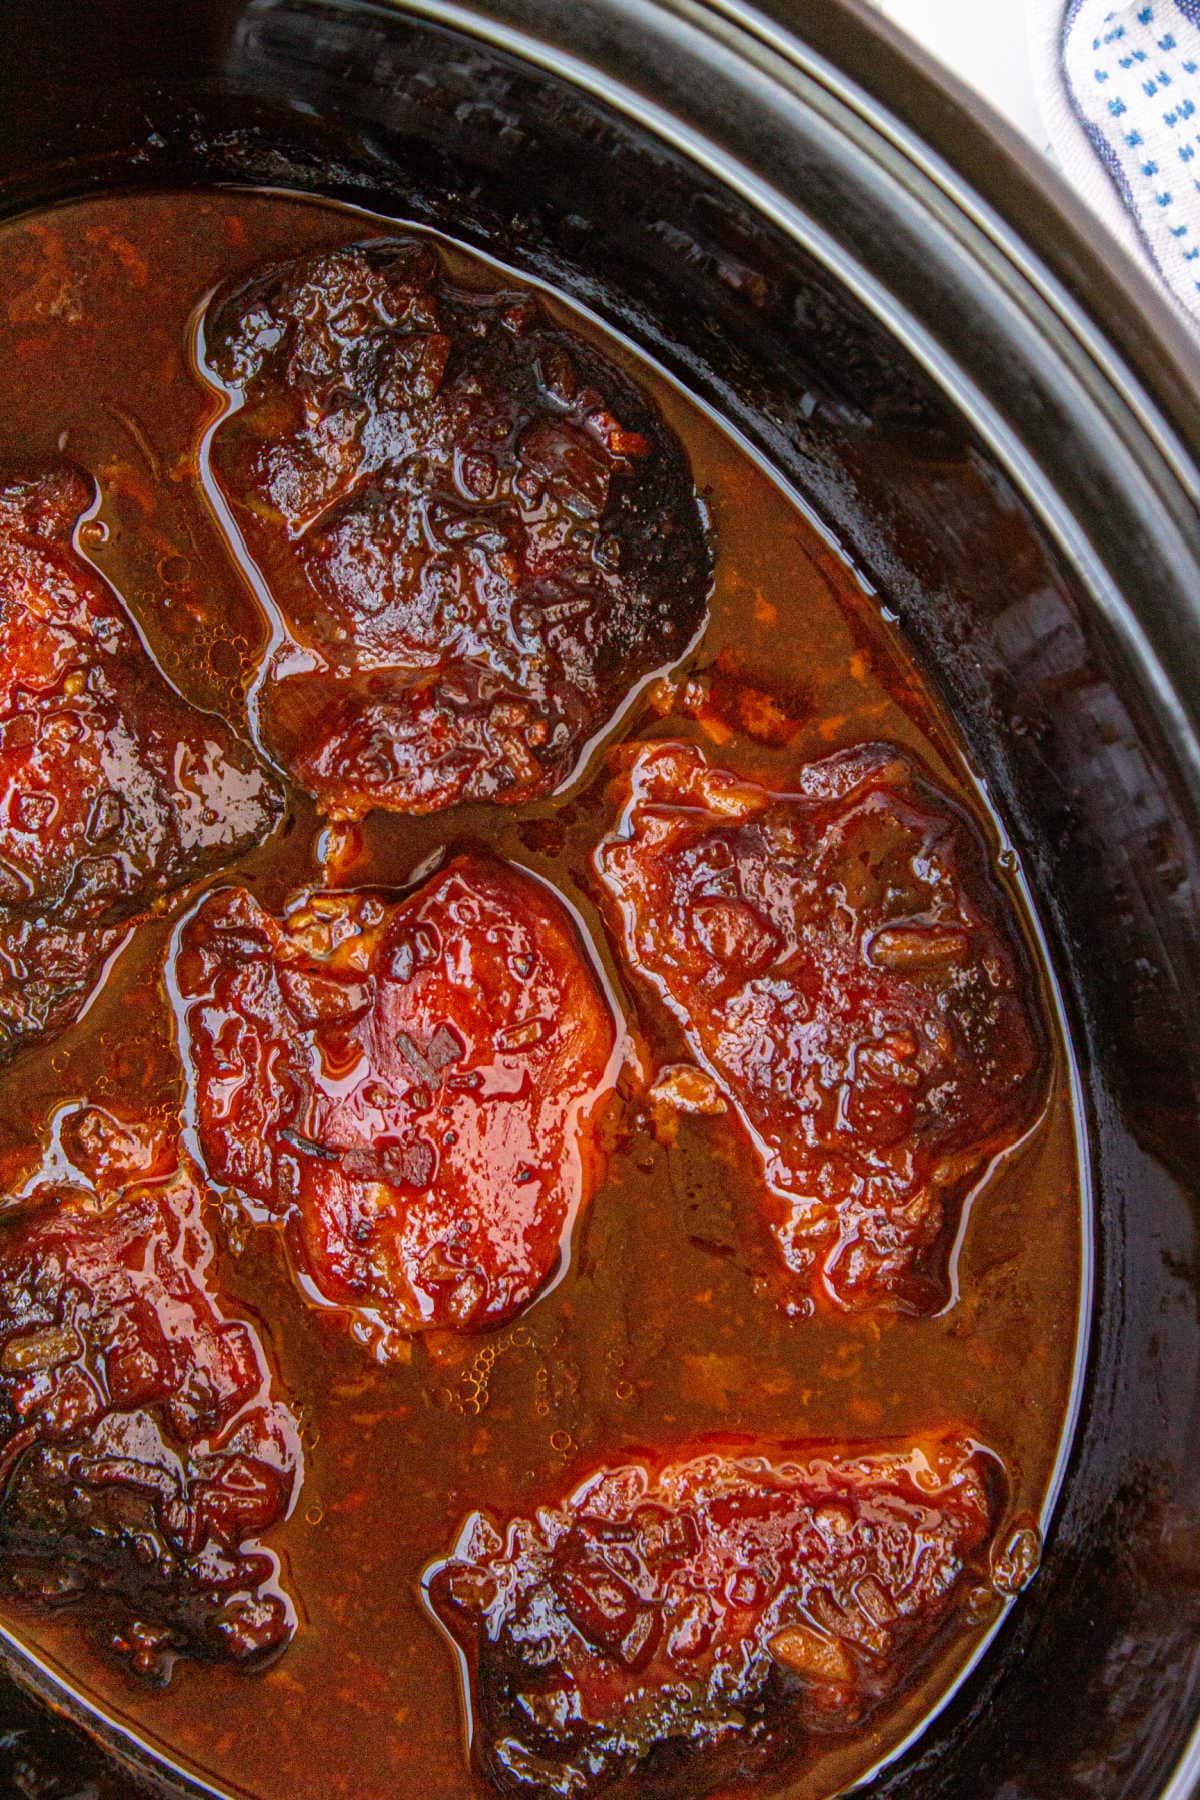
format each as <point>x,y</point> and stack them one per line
<point>990,170</point>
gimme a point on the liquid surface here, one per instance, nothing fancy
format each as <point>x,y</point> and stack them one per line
<point>660,1332</point>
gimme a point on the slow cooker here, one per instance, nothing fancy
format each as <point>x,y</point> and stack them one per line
<point>998,422</point>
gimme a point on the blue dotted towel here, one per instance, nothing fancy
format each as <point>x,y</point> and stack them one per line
<point>1120,86</point>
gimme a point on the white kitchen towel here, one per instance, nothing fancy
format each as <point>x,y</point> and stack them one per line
<point>1119,83</point>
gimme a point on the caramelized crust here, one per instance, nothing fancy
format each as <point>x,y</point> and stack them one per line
<point>142,1453</point>
<point>665,1630</point>
<point>48,974</point>
<point>477,534</point>
<point>112,789</point>
<point>413,1087</point>
<point>840,962</point>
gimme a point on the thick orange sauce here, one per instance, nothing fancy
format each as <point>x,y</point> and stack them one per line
<point>656,1334</point>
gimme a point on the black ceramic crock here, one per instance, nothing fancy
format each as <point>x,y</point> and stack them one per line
<point>999,422</point>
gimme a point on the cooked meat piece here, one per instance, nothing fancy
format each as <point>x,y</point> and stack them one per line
<point>413,1086</point>
<point>141,1452</point>
<point>48,973</point>
<point>477,534</point>
<point>667,1630</point>
<point>112,789</point>
<point>840,961</point>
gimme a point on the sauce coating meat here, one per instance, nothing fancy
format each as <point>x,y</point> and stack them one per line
<point>261,1026</point>
<point>477,534</point>
<point>142,1454</point>
<point>112,789</point>
<point>48,973</point>
<point>667,1629</point>
<point>837,959</point>
<point>414,1085</point>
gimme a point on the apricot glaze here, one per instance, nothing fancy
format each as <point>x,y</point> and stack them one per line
<point>412,1086</point>
<point>477,533</point>
<point>142,1454</point>
<point>113,790</point>
<point>837,958</point>
<point>677,1624</point>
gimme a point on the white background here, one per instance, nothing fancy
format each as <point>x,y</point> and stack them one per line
<point>983,41</point>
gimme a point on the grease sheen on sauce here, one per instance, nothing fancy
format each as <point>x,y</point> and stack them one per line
<point>656,1334</point>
